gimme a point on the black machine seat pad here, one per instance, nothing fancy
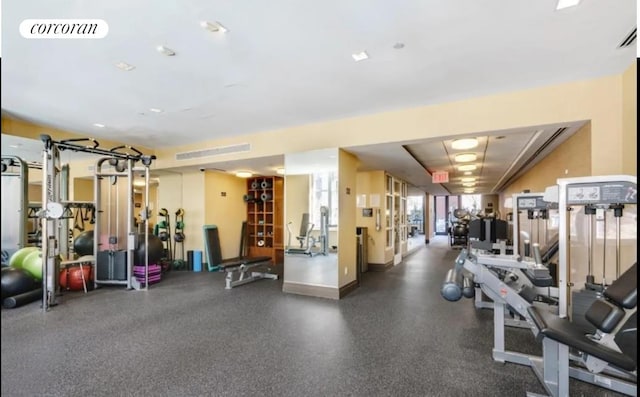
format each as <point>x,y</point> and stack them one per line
<point>541,281</point>
<point>239,261</point>
<point>563,331</point>
<point>624,290</point>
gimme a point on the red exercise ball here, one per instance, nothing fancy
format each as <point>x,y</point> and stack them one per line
<point>71,278</point>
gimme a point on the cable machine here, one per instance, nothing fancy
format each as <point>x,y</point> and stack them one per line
<point>123,160</point>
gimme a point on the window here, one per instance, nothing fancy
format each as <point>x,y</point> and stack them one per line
<point>324,193</point>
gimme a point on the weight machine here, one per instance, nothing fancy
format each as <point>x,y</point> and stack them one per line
<point>122,161</point>
<point>606,356</point>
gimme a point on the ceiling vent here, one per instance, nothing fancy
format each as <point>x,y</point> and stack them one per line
<point>531,160</point>
<point>196,154</point>
<point>629,40</point>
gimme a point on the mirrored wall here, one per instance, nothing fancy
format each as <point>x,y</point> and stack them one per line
<point>311,220</point>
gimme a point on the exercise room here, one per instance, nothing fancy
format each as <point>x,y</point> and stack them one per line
<point>323,199</point>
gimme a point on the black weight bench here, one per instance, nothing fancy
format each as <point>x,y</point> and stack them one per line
<point>607,364</point>
<point>239,270</point>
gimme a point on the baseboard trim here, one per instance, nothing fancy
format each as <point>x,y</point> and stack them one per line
<point>311,290</point>
<point>379,267</point>
<point>346,289</point>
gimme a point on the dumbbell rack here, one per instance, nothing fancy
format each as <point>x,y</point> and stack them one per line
<point>178,241</point>
<point>163,231</point>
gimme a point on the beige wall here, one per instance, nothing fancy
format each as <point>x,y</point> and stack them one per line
<point>372,183</point>
<point>193,203</point>
<point>347,246</point>
<point>226,211</point>
<point>598,100</point>
<point>630,121</point>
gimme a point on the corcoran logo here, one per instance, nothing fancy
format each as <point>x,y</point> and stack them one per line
<point>63,28</point>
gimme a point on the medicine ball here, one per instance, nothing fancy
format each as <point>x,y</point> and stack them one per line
<point>83,243</point>
<point>156,250</point>
<point>15,282</point>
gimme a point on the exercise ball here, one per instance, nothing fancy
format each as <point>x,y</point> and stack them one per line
<point>32,264</point>
<point>156,250</point>
<point>83,243</point>
<point>18,256</point>
<point>15,282</point>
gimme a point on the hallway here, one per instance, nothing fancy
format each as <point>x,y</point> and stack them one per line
<point>188,336</point>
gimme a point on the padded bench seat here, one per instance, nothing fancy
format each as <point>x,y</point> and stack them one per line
<point>232,263</point>
<point>563,331</point>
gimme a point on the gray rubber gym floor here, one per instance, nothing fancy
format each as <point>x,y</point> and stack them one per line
<point>188,336</point>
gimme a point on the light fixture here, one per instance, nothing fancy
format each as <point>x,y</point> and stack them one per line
<point>165,51</point>
<point>125,66</point>
<point>566,4</point>
<point>213,27</point>
<point>465,143</point>
<point>360,56</point>
<point>465,157</point>
<point>468,172</point>
<point>469,184</point>
<point>155,110</point>
<point>98,125</point>
<point>467,167</point>
<point>280,171</point>
<point>469,190</point>
<point>468,179</point>
<point>244,174</point>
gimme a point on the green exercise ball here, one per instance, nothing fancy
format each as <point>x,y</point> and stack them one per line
<point>18,256</point>
<point>32,264</point>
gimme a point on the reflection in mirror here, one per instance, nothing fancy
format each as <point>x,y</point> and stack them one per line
<point>311,219</point>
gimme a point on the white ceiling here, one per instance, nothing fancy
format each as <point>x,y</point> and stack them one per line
<point>287,63</point>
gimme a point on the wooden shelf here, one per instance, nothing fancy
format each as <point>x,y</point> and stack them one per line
<point>265,219</point>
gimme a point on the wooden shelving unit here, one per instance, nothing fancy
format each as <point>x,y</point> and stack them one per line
<point>265,219</point>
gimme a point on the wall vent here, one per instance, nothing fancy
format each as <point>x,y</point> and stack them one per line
<point>629,40</point>
<point>216,151</point>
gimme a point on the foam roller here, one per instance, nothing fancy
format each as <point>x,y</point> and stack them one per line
<point>22,299</point>
<point>254,185</point>
<point>265,184</point>
<point>452,286</point>
<point>265,196</point>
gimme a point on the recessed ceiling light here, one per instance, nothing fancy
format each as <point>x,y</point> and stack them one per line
<point>463,144</point>
<point>213,26</point>
<point>280,171</point>
<point>469,190</point>
<point>98,125</point>
<point>244,174</point>
<point>468,179</point>
<point>566,4</point>
<point>465,157</point>
<point>467,172</point>
<point>467,167</point>
<point>360,56</point>
<point>469,184</point>
<point>155,110</point>
<point>165,51</point>
<point>125,66</point>
<point>17,145</point>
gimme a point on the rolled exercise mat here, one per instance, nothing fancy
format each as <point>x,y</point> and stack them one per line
<point>22,299</point>
<point>197,261</point>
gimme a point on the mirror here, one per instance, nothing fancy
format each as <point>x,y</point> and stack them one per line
<point>311,221</point>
